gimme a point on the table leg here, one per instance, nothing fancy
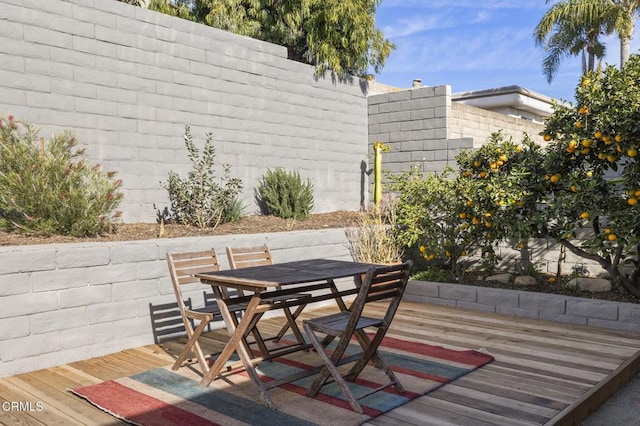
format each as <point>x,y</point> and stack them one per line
<point>236,344</point>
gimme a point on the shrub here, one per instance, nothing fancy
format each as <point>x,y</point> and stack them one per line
<point>283,194</point>
<point>199,200</point>
<point>374,239</point>
<point>48,188</point>
<point>451,215</point>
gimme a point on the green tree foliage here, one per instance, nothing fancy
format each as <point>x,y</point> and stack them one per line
<point>572,28</point>
<point>50,189</point>
<point>179,8</point>
<point>337,36</point>
<point>623,15</point>
<point>593,160</point>
<point>202,199</point>
<point>283,194</point>
<point>451,215</point>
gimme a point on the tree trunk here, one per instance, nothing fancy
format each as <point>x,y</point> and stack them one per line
<point>625,49</point>
<point>608,265</point>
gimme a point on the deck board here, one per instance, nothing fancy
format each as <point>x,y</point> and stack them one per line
<point>544,373</point>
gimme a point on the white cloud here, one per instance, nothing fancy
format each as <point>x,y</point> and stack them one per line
<point>404,27</point>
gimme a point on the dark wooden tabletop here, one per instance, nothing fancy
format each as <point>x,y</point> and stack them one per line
<point>281,274</point>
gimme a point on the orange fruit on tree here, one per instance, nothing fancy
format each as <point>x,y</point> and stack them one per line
<point>483,174</point>
<point>618,137</point>
<point>607,230</point>
<point>547,137</point>
<point>612,237</point>
<point>597,134</point>
<point>584,215</point>
<point>574,188</point>
<point>579,124</point>
<point>632,152</point>
<point>632,201</point>
<point>476,163</point>
<point>611,158</point>
<point>551,280</point>
<point>555,178</point>
<point>637,193</point>
<point>586,143</point>
<point>606,139</point>
<point>585,151</point>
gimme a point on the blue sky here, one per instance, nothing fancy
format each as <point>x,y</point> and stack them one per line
<point>473,45</point>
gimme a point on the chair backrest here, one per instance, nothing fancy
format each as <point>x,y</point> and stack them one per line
<point>242,257</point>
<point>388,283</point>
<point>183,267</point>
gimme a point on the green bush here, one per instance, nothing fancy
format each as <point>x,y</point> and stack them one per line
<point>283,194</point>
<point>199,200</point>
<point>48,188</point>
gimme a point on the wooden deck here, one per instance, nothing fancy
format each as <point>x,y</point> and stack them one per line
<point>544,373</point>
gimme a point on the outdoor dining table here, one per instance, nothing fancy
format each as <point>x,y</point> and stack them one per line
<point>259,282</point>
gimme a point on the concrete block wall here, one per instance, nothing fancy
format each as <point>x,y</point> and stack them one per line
<point>127,80</point>
<point>61,303</point>
<point>478,124</point>
<point>414,124</point>
<point>528,304</point>
<point>424,127</point>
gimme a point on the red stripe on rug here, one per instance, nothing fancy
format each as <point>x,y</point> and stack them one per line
<point>137,407</point>
<point>470,357</point>
<point>368,383</point>
<point>328,399</point>
<point>420,375</point>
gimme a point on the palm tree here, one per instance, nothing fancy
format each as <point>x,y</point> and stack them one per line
<point>572,28</point>
<point>623,14</point>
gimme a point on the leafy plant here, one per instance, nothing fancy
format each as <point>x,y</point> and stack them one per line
<point>433,274</point>
<point>48,188</point>
<point>579,270</point>
<point>593,174</point>
<point>202,199</point>
<point>283,194</point>
<point>374,239</point>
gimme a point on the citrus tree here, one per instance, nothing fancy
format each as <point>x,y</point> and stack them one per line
<point>427,217</point>
<point>592,185</point>
<point>503,181</point>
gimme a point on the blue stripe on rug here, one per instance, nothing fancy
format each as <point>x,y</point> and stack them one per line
<point>246,410</point>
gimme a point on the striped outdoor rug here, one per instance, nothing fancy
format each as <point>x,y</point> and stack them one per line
<point>164,397</point>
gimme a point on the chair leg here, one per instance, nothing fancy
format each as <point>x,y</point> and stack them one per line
<point>330,369</point>
<point>291,323</point>
<point>192,342</point>
<point>371,353</point>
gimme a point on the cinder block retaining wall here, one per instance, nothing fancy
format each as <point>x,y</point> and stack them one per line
<point>127,80</point>
<point>66,302</point>
<point>567,309</point>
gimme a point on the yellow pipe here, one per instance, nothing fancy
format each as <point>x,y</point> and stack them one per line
<point>378,149</point>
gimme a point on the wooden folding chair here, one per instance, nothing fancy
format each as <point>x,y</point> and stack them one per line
<point>386,284</point>
<point>243,257</point>
<point>182,267</point>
